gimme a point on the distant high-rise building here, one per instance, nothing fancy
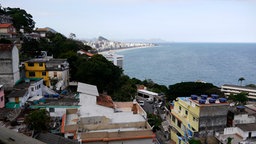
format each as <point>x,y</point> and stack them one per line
<point>116,59</point>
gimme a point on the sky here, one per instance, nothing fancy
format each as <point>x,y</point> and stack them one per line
<point>169,20</point>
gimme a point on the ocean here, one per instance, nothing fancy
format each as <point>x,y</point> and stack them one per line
<point>216,63</point>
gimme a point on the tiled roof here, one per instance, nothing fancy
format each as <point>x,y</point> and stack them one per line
<point>5,25</point>
<point>105,100</point>
<point>117,136</point>
<point>6,47</point>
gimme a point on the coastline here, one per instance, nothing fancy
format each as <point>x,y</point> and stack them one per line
<point>125,49</point>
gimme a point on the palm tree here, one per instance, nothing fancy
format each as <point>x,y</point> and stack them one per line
<point>241,79</point>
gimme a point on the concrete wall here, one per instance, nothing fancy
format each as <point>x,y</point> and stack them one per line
<point>244,118</point>
<point>58,112</point>
<point>136,141</point>
<point>101,126</point>
<point>212,119</point>
<point>9,72</point>
<point>2,100</point>
<point>15,64</point>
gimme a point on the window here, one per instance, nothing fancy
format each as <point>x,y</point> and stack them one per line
<point>179,124</point>
<point>30,64</point>
<point>32,89</point>
<point>2,98</point>
<point>180,108</point>
<point>32,74</point>
<point>195,119</point>
<point>51,110</point>
<point>55,74</point>
<point>44,73</point>
<point>173,118</point>
<point>186,112</point>
<point>41,64</point>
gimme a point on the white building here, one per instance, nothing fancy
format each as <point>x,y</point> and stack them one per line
<point>23,91</point>
<point>234,89</point>
<point>102,121</point>
<point>116,59</point>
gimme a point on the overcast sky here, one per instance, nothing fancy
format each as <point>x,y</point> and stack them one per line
<point>170,20</point>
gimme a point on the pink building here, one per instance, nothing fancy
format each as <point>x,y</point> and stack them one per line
<point>2,101</point>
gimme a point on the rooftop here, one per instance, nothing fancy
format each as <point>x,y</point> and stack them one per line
<point>237,86</point>
<point>87,89</point>
<point>204,100</point>
<point>11,137</point>
<point>114,136</point>
<point>247,127</point>
<point>5,25</point>
<point>6,47</point>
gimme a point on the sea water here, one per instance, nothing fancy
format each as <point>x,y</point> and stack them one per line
<point>217,63</point>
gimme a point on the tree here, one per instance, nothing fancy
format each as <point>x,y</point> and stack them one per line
<point>229,140</point>
<point>100,72</point>
<point>241,79</point>
<point>239,99</point>
<point>21,19</point>
<point>38,120</point>
<point>189,88</point>
<point>127,90</point>
<point>155,121</point>
<point>194,141</point>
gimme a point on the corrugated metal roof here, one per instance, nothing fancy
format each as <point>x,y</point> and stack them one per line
<point>12,137</point>
<point>87,89</point>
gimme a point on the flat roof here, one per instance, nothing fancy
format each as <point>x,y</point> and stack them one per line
<point>188,99</point>
<point>237,86</point>
<point>88,109</point>
<point>147,92</point>
<point>87,89</point>
<point>247,127</point>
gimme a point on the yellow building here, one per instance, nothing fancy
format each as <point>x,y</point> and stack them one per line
<point>36,68</point>
<point>54,72</point>
<point>197,116</point>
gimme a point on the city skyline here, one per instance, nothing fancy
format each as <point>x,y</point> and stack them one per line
<point>169,20</point>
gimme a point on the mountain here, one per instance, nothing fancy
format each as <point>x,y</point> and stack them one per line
<point>146,40</point>
<point>101,38</point>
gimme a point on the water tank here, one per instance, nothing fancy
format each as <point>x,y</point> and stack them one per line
<point>211,100</point>
<point>222,100</point>
<point>55,95</point>
<point>240,108</point>
<point>202,101</point>
<point>194,97</point>
<point>204,97</point>
<point>46,95</point>
<point>214,96</point>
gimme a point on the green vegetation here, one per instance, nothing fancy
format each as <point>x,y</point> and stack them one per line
<point>155,121</point>
<point>38,120</point>
<point>239,99</point>
<point>241,79</point>
<point>194,141</point>
<point>189,88</point>
<point>21,19</point>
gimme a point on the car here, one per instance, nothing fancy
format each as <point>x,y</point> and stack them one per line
<point>141,102</point>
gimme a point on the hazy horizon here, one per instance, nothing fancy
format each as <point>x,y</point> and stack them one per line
<point>169,20</point>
